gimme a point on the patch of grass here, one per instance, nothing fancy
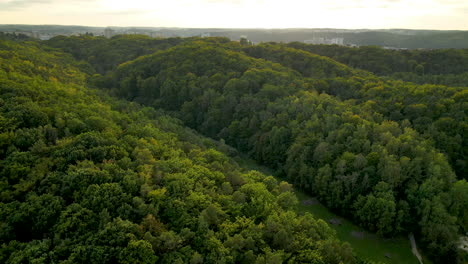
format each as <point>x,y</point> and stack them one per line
<point>369,246</point>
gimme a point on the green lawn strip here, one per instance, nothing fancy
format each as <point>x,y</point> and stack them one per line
<point>370,246</point>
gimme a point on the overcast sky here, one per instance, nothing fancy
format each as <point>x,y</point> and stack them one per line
<point>415,14</point>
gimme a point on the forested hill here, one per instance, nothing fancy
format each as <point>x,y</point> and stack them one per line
<point>439,66</point>
<point>106,54</point>
<point>380,152</point>
<point>435,111</point>
<point>86,178</point>
<point>389,155</point>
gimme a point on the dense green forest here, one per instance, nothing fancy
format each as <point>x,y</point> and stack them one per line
<point>105,54</point>
<point>440,66</point>
<point>435,111</point>
<point>87,177</point>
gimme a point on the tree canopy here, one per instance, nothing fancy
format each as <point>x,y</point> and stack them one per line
<point>368,148</point>
<point>86,178</point>
<point>101,160</point>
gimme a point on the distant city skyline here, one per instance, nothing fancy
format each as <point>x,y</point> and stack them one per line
<point>372,14</point>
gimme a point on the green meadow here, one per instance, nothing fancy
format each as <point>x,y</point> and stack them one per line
<point>396,250</point>
<point>368,245</point>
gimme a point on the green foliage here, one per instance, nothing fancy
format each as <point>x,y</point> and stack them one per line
<point>106,54</point>
<point>387,62</point>
<point>425,107</point>
<point>86,178</point>
<point>377,151</point>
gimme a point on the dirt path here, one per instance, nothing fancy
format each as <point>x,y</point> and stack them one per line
<point>414,248</point>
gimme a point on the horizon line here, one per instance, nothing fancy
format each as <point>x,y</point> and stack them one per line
<point>234,28</point>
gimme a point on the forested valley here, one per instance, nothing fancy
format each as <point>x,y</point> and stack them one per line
<point>126,150</point>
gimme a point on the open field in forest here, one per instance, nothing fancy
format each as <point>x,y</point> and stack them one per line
<point>366,244</point>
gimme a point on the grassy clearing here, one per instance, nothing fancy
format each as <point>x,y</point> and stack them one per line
<point>369,246</point>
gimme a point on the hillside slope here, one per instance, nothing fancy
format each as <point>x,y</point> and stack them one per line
<point>89,179</point>
<point>439,66</point>
<point>383,174</point>
<point>437,112</point>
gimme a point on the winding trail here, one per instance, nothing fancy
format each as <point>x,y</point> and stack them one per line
<point>414,248</point>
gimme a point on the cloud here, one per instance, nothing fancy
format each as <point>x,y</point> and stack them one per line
<point>240,13</point>
<point>463,10</point>
<point>10,5</point>
<point>19,4</point>
<point>128,12</point>
<point>236,2</point>
<point>450,2</point>
<point>233,2</point>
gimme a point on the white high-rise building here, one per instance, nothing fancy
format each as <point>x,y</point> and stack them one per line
<point>108,32</point>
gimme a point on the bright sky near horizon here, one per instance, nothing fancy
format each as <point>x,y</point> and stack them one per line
<point>414,14</point>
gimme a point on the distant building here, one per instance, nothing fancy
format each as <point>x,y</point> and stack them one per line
<point>26,33</point>
<point>244,41</point>
<point>393,48</point>
<point>337,41</point>
<point>206,35</point>
<point>45,36</point>
<point>108,32</point>
<point>156,35</point>
<point>329,41</point>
